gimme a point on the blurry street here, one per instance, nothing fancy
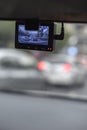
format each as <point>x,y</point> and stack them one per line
<point>62,72</point>
<point>74,90</point>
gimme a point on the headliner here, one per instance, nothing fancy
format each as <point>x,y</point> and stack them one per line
<point>56,10</point>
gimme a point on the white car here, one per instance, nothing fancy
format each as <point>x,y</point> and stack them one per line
<point>62,71</point>
<point>18,68</point>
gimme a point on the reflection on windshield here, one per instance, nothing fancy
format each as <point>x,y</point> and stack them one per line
<point>62,72</point>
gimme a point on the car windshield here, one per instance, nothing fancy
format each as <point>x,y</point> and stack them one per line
<point>63,71</point>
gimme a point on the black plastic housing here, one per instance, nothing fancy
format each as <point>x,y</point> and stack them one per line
<point>31,46</point>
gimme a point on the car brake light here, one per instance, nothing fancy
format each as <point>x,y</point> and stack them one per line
<point>41,65</point>
<point>67,67</point>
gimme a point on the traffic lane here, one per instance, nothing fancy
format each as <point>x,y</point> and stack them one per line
<point>21,112</point>
<point>39,84</point>
<point>22,84</point>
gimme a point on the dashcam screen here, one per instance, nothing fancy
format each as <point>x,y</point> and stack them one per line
<point>38,37</point>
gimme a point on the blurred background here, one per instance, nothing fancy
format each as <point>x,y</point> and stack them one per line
<point>62,71</point>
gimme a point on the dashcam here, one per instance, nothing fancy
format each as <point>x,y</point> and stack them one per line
<point>34,35</point>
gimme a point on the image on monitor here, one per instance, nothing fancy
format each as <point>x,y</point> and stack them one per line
<point>38,37</point>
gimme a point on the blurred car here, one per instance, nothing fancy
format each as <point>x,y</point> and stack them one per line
<point>62,70</point>
<point>83,60</point>
<point>18,68</point>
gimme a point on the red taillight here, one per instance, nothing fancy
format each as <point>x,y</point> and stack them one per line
<point>67,67</point>
<point>41,65</point>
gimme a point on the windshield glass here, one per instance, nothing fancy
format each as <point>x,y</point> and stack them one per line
<point>63,71</point>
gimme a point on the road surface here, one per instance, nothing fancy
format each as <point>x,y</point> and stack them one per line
<point>25,112</point>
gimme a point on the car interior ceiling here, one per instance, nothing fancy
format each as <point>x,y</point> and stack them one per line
<point>61,10</point>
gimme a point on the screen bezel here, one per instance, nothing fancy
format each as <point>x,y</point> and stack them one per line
<point>48,47</point>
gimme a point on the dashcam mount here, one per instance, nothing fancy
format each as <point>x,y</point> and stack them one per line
<point>61,35</point>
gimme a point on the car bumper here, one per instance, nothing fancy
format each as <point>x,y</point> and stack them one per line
<point>60,80</point>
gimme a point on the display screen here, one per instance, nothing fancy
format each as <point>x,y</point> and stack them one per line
<point>35,37</point>
<point>28,35</point>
